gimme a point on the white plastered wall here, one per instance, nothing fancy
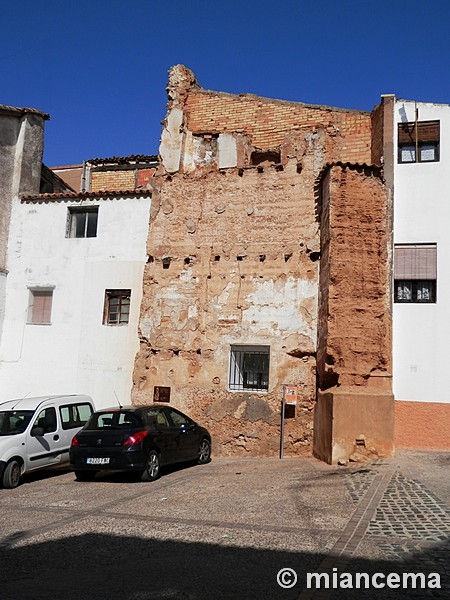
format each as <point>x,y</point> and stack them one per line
<point>77,353</point>
<point>421,332</point>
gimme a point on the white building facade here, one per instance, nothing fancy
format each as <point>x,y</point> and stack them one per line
<point>421,326</point>
<point>73,294</point>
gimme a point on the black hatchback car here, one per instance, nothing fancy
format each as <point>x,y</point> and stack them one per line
<point>140,439</point>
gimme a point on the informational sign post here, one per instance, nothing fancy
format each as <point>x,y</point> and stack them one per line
<point>290,395</point>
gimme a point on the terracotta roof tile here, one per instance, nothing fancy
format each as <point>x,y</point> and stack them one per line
<point>87,195</point>
<point>139,158</point>
<point>22,111</point>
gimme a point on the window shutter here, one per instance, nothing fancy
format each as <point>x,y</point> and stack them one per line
<point>42,307</point>
<point>415,261</point>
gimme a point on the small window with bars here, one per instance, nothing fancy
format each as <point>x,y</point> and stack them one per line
<point>117,307</point>
<point>418,142</point>
<point>415,273</point>
<point>40,306</point>
<point>82,221</point>
<point>249,368</point>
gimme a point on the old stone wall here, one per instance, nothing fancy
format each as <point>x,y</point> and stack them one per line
<point>359,307</point>
<point>355,403</point>
<point>234,249</point>
<point>233,261</point>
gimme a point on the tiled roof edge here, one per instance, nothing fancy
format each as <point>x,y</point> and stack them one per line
<point>85,195</point>
<point>21,111</point>
<point>124,159</point>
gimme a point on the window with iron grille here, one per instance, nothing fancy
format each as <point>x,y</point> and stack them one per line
<point>418,142</point>
<point>82,221</point>
<point>415,273</point>
<point>249,368</point>
<point>117,307</point>
<point>40,306</point>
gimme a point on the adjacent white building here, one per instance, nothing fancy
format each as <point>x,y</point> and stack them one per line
<point>73,294</point>
<point>421,327</point>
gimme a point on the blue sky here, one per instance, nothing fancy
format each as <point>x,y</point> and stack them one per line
<point>99,67</point>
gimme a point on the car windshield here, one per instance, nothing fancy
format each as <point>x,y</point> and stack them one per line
<point>114,419</point>
<point>13,422</point>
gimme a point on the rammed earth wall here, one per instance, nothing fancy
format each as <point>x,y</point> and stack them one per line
<point>234,257</point>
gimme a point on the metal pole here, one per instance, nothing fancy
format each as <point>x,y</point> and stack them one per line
<point>283,410</point>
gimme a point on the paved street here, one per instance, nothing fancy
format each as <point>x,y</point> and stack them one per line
<point>226,529</point>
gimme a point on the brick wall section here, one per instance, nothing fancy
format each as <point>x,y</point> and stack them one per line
<point>119,179</point>
<point>377,135</point>
<point>358,270</point>
<point>113,180</point>
<point>268,121</point>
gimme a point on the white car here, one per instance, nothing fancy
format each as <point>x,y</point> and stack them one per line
<point>36,433</point>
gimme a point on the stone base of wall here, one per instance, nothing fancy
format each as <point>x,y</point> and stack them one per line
<point>353,420</point>
<point>422,425</point>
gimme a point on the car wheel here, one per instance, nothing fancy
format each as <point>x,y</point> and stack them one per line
<point>85,475</point>
<point>11,475</point>
<point>153,467</point>
<point>204,452</point>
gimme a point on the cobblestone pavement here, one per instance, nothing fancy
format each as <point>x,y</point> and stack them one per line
<point>224,530</point>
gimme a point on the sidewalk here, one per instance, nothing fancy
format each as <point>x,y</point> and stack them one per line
<point>225,530</point>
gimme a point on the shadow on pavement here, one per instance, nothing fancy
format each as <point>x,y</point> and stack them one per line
<point>104,567</point>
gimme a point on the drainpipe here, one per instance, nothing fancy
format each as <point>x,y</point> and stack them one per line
<point>416,112</point>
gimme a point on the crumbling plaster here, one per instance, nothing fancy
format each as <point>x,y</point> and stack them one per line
<point>234,248</point>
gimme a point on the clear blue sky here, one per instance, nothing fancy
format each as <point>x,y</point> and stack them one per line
<point>99,67</point>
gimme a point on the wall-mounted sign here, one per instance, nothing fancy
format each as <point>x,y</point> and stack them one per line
<point>290,393</point>
<point>161,394</point>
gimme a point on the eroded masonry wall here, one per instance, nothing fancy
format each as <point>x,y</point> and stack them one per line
<point>234,250</point>
<point>355,404</point>
<point>233,261</point>
<point>355,279</point>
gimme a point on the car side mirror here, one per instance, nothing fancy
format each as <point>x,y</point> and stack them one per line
<point>37,431</point>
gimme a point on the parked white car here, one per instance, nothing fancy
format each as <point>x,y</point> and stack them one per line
<point>36,433</point>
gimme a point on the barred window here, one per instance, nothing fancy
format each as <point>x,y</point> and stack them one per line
<point>415,273</point>
<point>117,307</point>
<point>249,368</point>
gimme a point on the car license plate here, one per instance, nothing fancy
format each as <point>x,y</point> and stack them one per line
<point>97,461</point>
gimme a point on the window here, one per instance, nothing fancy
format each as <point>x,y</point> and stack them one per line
<point>47,420</point>
<point>117,307</point>
<point>415,273</point>
<point>75,415</point>
<point>114,419</point>
<point>249,368</point>
<point>156,417</point>
<point>82,222</point>
<point>40,306</point>
<point>178,419</point>
<point>418,142</point>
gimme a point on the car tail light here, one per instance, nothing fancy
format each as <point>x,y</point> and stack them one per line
<point>75,441</point>
<point>136,438</point>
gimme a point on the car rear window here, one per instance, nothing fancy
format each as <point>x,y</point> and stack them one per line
<point>114,420</point>
<point>13,422</point>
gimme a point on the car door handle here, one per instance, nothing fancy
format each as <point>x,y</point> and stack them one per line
<point>56,437</point>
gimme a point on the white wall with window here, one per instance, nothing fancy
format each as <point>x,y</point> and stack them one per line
<point>73,296</point>
<point>421,326</point>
